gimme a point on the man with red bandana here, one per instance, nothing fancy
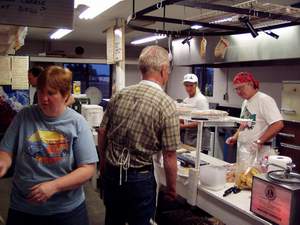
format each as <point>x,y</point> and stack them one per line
<point>260,108</point>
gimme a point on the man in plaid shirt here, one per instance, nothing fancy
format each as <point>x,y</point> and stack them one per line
<point>139,121</point>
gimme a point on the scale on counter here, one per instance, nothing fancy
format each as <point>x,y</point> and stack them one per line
<point>276,196</point>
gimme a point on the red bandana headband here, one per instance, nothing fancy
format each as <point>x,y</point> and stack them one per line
<point>245,77</point>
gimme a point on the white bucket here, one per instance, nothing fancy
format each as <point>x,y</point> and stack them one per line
<point>93,114</point>
<point>213,177</point>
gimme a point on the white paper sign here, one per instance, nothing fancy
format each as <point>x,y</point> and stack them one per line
<point>118,55</point>
<point>110,46</point>
<point>5,70</point>
<point>20,72</point>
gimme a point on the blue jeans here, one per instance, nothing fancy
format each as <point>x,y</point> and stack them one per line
<point>133,201</point>
<point>77,216</point>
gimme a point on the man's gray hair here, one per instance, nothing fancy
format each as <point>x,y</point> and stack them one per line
<point>152,58</point>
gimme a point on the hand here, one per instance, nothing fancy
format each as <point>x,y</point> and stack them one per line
<point>3,168</point>
<point>231,140</point>
<point>255,147</point>
<point>170,195</point>
<point>243,125</point>
<point>40,193</point>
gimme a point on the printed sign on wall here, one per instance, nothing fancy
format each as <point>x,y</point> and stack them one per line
<point>37,13</point>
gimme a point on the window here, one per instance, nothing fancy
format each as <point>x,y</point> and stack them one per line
<point>206,79</point>
<point>92,75</point>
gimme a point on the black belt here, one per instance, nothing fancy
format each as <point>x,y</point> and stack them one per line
<point>130,169</point>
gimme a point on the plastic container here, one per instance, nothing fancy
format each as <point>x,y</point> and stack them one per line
<point>213,177</point>
<point>279,160</point>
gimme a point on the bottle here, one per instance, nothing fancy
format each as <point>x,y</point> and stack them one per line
<point>264,164</point>
<point>76,87</point>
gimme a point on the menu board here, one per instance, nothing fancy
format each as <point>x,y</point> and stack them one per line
<point>38,13</point>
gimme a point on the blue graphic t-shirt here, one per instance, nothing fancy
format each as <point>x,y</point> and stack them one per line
<point>45,149</point>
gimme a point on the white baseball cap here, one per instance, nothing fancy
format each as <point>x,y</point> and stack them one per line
<point>190,77</point>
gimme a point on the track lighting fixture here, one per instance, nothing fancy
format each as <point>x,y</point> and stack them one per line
<point>245,20</point>
<point>272,34</point>
<point>187,40</point>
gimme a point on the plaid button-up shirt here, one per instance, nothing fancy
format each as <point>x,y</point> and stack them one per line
<point>142,119</point>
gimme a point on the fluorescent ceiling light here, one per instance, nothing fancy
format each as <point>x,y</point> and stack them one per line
<point>148,39</point>
<point>196,27</point>
<point>228,19</point>
<point>97,7</point>
<point>60,33</point>
<point>272,34</point>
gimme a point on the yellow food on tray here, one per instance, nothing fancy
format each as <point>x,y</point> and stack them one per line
<point>244,179</point>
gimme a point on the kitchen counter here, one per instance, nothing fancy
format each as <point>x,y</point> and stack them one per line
<point>233,209</point>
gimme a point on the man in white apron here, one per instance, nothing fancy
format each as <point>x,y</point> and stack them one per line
<point>260,108</point>
<point>197,101</point>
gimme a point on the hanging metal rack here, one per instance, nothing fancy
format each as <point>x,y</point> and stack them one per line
<point>264,16</point>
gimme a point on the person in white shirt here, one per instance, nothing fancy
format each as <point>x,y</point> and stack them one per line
<point>198,101</point>
<point>262,109</point>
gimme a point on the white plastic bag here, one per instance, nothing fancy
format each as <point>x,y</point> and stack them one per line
<point>248,166</point>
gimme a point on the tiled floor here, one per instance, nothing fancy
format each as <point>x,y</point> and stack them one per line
<point>95,205</point>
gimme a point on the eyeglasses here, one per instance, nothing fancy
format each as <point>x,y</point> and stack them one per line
<point>240,88</point>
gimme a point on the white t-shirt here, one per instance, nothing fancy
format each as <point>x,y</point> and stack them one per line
<point>262,109</point>
<point>198,101</point>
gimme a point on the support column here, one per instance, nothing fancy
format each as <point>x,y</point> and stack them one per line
<point>119,55</point>
<point>120,75</point>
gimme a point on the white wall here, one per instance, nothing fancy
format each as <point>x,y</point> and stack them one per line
<point>241,48</point>
<point>270,78</point>
<point>175,88</point>
<point>132,75</point>
<point>91,50</point>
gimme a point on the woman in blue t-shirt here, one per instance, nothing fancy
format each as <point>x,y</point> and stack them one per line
<point>54,156</point>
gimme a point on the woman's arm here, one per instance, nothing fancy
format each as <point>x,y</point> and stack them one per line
<point>5,162</point>
<point>42,192</point>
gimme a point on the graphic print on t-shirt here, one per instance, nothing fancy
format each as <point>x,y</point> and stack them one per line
<point>47,147</point>
<point>247,115</point>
